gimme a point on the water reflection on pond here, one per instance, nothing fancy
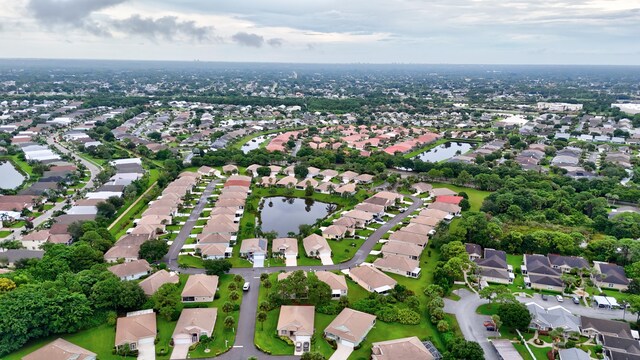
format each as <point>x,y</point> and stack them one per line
<point>283,215</point>
<point>10,178</point>
<point>445,151</point>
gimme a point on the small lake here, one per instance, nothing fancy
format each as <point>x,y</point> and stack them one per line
<point>10,178</point>
<point>284,215</point>
<point>254,143</point>
<point>445,151</point>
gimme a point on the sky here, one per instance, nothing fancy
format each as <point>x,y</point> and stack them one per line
<point>326,31</point>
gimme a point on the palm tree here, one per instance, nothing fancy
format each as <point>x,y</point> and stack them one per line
<point>234,296</point>
<point>229,321</point>
<point>262,317</point>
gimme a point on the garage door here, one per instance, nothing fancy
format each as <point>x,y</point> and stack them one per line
<point>291,260</point>
<point>258,261</point>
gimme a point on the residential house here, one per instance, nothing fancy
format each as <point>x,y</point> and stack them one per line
<point>132,270</point>
<point>254,250</point>
<point>409,237</point>
<point>337,283</point>
<point>61,349</point>
<point>552,318</point>
<point>568,263</point>
<point>421,188</point>
<point>153,283</point>
<point>376,210</point>
<point>451,209</point>
<point>405,249</point>
<point>200,288</point>
<point>362,218</point>
<point>593,327</point>
<point>372,279</point>
<point>493,267</point>
<point>619,348</point>
<point>610,276</point>
<point>474,251</point>
<point>214,251</point>
<point>410,348</point>
<point>137,331</point>
<point>540,275</point>
<point>573,354</point>
<point>334,232</point>
<point>316,246</point>
<point>297,323</point>
<point>435,192</point>
<point>398,264</point>
<point>193,324</point>
<point>350,327</point>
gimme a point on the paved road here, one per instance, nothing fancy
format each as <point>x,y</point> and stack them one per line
<point>244,345</point>
<point>296,148</point>
<point>172,256</point>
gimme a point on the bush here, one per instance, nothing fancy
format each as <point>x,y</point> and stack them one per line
<point>408,317</point>
<point>333,308</point>
<point>388,314</point>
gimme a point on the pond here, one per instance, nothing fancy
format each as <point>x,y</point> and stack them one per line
<point>10,178</point>
<point>255,143</point>
<point>283,215</point>
<point>445,151</point>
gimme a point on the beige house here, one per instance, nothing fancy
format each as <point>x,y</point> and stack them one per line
<point>316,246</point>
<point>610,276</point>
<point>200,288</point>
<point>372,279</point>
<point>296,323</point>
<point>194,323</point>
<point>61,349</point>
<point>400,265</point>
<point>285,247</point>
<point>376,210</point>
<point>214,251</point>
<point>425,220</point>
<point>362,218</point>
<point>137,331</point>
<point>408,250</point>
<point>434,213</point>
<point>409,237</point>
<point>334,232</point>
<point>410,348</point>
<point>337,283</point>
<point>287,181</point>
<point>133,270</point>
<point>151,284</point>
<point>350,327</point>
<point>421,188</point>
<point>442,192</point>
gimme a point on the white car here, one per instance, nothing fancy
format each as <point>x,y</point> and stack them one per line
<point>559,298</point>
<point>246,286</point>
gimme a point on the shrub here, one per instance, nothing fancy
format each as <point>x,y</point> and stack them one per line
<point>387,314</point>
<point>408,317</point>
<point>332,308</point>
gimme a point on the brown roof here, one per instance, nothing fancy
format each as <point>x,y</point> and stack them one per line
<point>335,230</point>
<point>60,349</point>
<point>401,248</point>
<point>442,191</point>
<point>409,237</point>
<point>296,318</point>
<point>151,284</point>
<point>132,328</point>
<point>196,321</point>
<point>335,281</point>
<point>130,268</point>
<point>286,245</point>
<point>201,285</point>
<point>215,238</point>
<point>351,325</point>
<point>315,242</point>
<point>406,348</point>
<point>398,262</point>
<point>425,220</point>
<point>372,277</point>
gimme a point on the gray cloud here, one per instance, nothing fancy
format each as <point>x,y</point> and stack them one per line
<point>248,39</point>
<point>165,28</point>
<point>275,42</point>
<point>73,12</point>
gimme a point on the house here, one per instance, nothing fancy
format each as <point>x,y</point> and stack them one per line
<point>230,169</point>
<point>407,250</point>
<point>540,275</point>
<point>425,220</point>
<point>376,210</point>
<point>362,218</point>
<point>552,318</point>
<point>418,229</point>
<point>334,232</point>
<point>126,248</point>
<point>137,331</point>
<point>350,327</point>
<point>296,323</point>
<point>61,349</point>
<point>254,250</point>
<point>409,237</point>
<point>593,327</point>
<point>474,251</point>
<point>151,284</point>
<point>193,324</point>
<point>398,264</point>
<point>132,270</point>
<point>363,179</point>
<point>619,348</point>
<point>285,247</point>
<point>435,192</point>
<point>451,209</point>
<point>493,267</point>
<point>610,276</point>
<point>410,348</point>
<point>449,199</point>
<point>200,288</point>
<point>206,171</point>
<point>420,188</point>
<point>288,181</point>
<point>337,283</point>
<point>568,263</point>
<point>372,279</point>
<point>214,251</point>
<point>348,176</point>
<point>437,214</point>
<point>35,239</point>
<point>316,246</point>
<point>573,354</point>
<point>505,350</point>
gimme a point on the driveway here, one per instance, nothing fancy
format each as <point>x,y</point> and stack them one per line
<point>342,352</point>
<point>147,351</point>
<point>291,261</point>
<point>180,351</point>
<point>326,259</point>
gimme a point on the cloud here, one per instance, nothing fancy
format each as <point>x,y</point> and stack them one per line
<point>72,12</point>
<point>165,28</point>
<point>248,39</point>
<point>275,42</point>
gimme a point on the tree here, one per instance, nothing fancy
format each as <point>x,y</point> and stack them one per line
<point>217,266</point>
<point>498,293</point>
<point>266,283</point>
<point>262,317</point>
<point>167,301</point>
<point>301,171</point>
<point>234,296</point>
<point>228,307</point>
<point>461,349</point>
<point>6,285</point>
<point>238,279</point>
<point>514,315</point>
<point>106,209</point>
<point>229,322</point>
<point>263,171</point>
<point>264,306</point>
<point>496,321</point>
<point>442,326</point>
<point>312,356</point>
<point>153,250</point>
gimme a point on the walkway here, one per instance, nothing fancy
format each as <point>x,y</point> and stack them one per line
<point>125,213</point>
<point>244,345</point>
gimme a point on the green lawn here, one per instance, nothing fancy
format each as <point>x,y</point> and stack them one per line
<point>4,234</point>
<point>343,250</point>
<point>100,340</point>
<point>476,197</point>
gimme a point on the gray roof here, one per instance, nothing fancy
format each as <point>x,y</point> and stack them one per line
<point>19,254</point>
<point>553,317</point>
<point>573,354</point>
<point>621,329</point>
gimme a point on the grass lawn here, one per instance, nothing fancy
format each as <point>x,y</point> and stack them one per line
<point>476,197</point>
<point>4,234</point>
<point>266,337</point>
<point>518,283</point>
<point>343,250</point>
<point>99,339</point>
<point>190,261</point>
<point>120,227</point>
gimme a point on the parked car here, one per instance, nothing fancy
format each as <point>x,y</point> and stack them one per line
<point>545,297</point>
<point>490,328</point>
<point>246,286</point>
<point>488,323</point>
<point>575,300</point>
<point>559,298</point>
